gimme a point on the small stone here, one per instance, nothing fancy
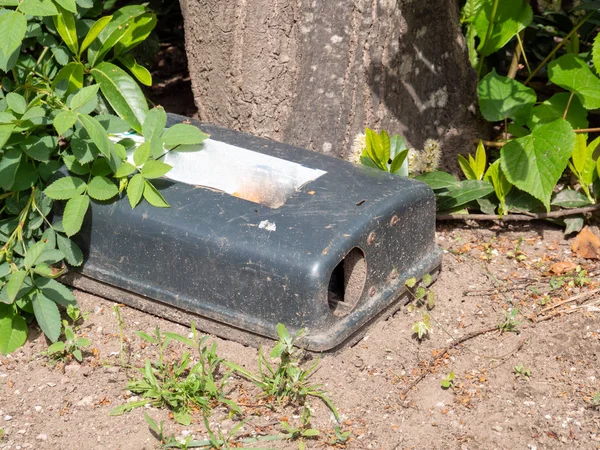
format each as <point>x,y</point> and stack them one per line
<point>22,431</point>
<point>86,401</point>
<point>497,428</point>
<point>8,418</point>
<point>42,437</point>
<point>99,330</point>
<point>38,408</point>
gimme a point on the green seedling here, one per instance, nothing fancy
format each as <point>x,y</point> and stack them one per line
<point>287,380</point>
<point>423,298</point>
<point>70,348</point>
<point>448,381</point>
<point>522,371</point>
<point>510,323</point>
<point>180,385</point>
<point>117,311</point>
<point>595,401</point>
<point>340,437</point>
<point>214,442</point>
<point>301,432</point>
<point>422,328</point>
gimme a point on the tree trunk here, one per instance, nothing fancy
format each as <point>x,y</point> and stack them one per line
<point>315,73</point>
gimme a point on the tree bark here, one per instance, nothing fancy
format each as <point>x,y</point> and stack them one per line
<point>315,73</point>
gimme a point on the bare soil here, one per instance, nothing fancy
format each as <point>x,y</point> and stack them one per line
<point>486,272</point>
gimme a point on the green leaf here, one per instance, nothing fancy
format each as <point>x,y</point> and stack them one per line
<point>94,31</point>
<point>124,170</point>
<point>596,53</point>
<point>113,32</point>
<point>374,147</point>
<point>568,198</point>
<point>8,168</point>
<point>13,27</point>
<point>96,132</point>
<point>536,162</point>
<point>139,28</point>
<point>580,154</point>
<point>101,188</point>
<point>123,94</point>
<point>65,25</point>
<point>155,123</point>
<point>55,291</point>
<point>466,168</point>
<point>135,189</point>
<point>398,161</point>
<point>83,96</point>
<point>13,330</point>
<point>468,191</point>
<point>64,121</point>
<point>65,188</point>
<point>155,169</point>
<point>554,108</point>
<point>33,254</point>
<point>184,134</point>
<point>573,74</point>
<point>47,316</point>
<point>504,98</point>
<point>439,180</point>
<point>69,5</point>
<point>16,102</point>
<point>480,161</point>
<point>154,197</point>
<point>141,154</point>
<point>72,252</point>
<point>512,16</point>
<point>140,72</point>
<point>74,214</point>
<point>38,8</point>
<point>15,281</point>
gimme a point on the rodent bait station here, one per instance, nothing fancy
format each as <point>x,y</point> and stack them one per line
<point>259,233</point>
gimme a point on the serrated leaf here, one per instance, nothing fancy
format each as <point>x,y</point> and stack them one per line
<point>72,252</point>
<point>9,164</point>
<point>554,108</point>
<point>13,27</point>
<point>51,257</point>
<point>38,8</point>
<point>65,188</point>
<point>16,102</point>
<point>504,98</point>
<point>135,190</point>
<point>141,154</point>
<point>511,17</point>
<point>155,169</point>
<point>74,214</point>
<point>33,254</point>
<point>184,134</point>
<point>13,330</point>
<point>47,316</point>
<point>579,156</point>
<point>41,150</point>
<point>536,162</point>
<point>83,96</point>
<point>64,121</point>
<point>124,170</point>
<point>101,188</point>
<point>123,94</point>
<point>55,291</point>
<point>65,25</point>
<point>15,281</point>
<point>438,180</point>
<point>154,197</point>
<point>573,74</point>
<point>93,32</point>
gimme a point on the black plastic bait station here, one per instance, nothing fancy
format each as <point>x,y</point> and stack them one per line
<point>259,233</point>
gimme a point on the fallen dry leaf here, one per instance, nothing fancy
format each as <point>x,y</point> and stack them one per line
<point>561,268</point>
<point>587,244</point>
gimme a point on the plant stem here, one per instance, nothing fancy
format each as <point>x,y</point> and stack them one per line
<point>521,217</point>
<point>488,34</point>
<point>568,105</point>
<point>558,47</point>
<point>523,51</point>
